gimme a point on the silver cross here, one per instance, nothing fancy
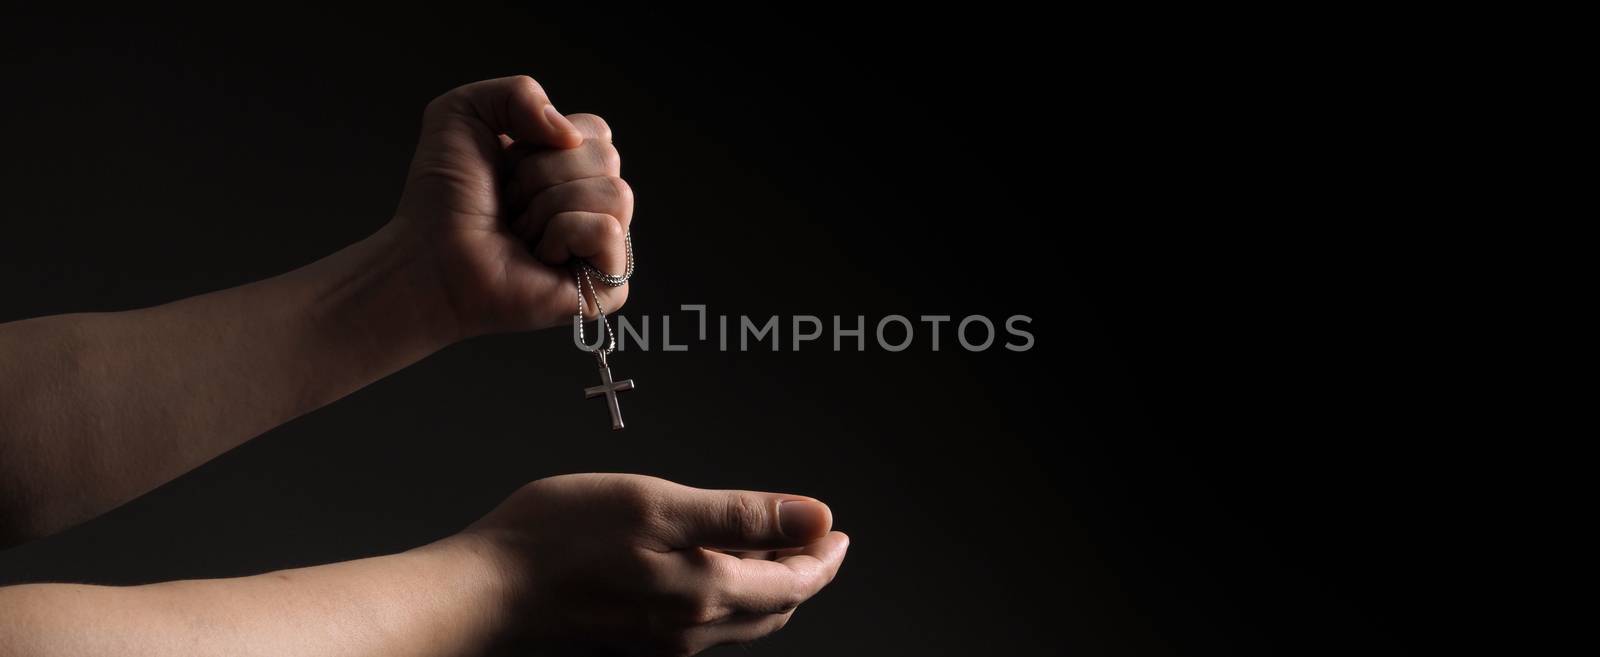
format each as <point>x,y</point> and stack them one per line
<point>610,390</point>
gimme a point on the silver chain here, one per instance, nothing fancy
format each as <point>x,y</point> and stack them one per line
<point>583,274</point>
<point>608,279</point>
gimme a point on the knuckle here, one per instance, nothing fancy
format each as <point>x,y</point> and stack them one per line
<point>597,125</point>
<point>620,188</point>
<point>522,84</point>
<point>635,500</point>
<point>610,159</point>
<point>609,228</point>
<point>747,516</point>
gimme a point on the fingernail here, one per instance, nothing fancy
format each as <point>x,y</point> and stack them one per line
<point>558,121</point>
<point>803,518</point>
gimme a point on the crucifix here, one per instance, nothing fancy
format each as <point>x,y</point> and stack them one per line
<point>610,390</point>
<point>608,340</point>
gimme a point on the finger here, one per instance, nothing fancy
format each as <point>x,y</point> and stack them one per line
<point>741,520</point>
<point>591,236</point>
<point>592,127</point>
<point>743,628</point>
<point>546,168</point>
<point>769,587</point>
<point>605,195</point>
<point>514,106</point>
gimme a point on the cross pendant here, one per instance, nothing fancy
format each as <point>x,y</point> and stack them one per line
<point>610,390</point>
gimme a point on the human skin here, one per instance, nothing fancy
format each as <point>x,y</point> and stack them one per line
<point>98,408</point>
<point>570,564</point>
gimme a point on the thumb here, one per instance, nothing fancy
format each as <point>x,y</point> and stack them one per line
<point>515,106</point>
<point>744,520</point>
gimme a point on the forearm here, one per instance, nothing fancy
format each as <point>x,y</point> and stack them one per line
<point>448,598</point>
<point>98,408</point>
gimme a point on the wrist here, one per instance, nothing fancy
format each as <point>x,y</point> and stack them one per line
<point>380,301</point>
<point>409,273</point>
<point>494,582</point>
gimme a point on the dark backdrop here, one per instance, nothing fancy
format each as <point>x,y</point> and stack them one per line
<point>1177,467</point>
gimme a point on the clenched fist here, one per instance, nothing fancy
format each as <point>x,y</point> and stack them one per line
<point>503,192</point>
<point>646,566</point>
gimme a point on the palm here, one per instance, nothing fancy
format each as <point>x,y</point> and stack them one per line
<point>495,278</point>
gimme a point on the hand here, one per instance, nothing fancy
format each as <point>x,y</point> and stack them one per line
<point>647,566</point>
<point>502,193</point>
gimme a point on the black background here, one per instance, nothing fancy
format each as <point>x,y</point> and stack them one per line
<point>1178,466</point>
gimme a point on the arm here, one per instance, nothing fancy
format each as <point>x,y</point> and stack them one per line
<point>581,561</point>
<point>98,408</point>
<point>441,599</point>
